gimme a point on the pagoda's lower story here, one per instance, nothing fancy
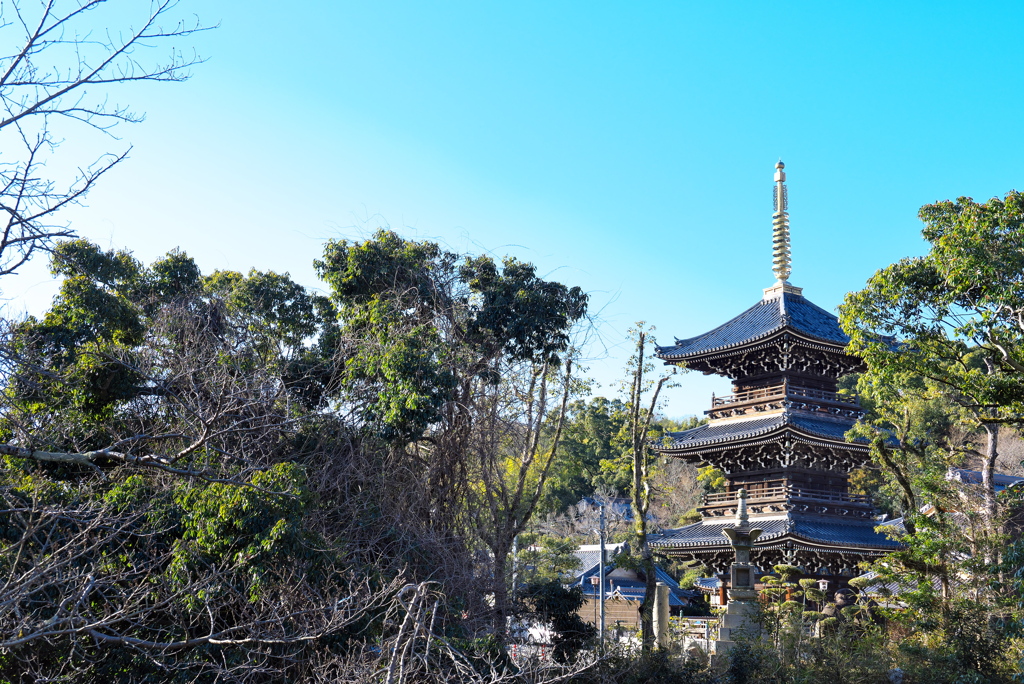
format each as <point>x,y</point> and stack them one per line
<point>780,435</point>
<point>793,464</point>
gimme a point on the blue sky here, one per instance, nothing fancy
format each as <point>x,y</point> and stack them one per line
<point>624,147</point>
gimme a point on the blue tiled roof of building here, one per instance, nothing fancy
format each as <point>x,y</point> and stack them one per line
<point>590,555</point>
<point>714,433</point>
<point>708,584</point>
<point>859,534</point>
<point>1000,481</point>
<point>766,317</point>
<point>890,592</point>
<point>632,587</point>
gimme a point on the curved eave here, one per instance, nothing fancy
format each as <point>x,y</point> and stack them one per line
<point>771,433</point>
<point>751,344</point>
<point>714,541</point>
<point>777,542</point>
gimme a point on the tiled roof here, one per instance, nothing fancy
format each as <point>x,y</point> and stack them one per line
<point>715,433</point>
<point>896,524</point>
<point>766,317</point>
<point>999,480</point>
<point>832,533</point>
<point>633,588</point>
<point>590,555</point>
<point>886,591</point>
<point>708,584</point>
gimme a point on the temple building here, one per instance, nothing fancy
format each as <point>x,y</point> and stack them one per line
<point>779,435</point>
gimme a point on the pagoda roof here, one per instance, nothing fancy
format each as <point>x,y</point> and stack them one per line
<point>736,430</point>
<point>852,534</point>
<point>771,315</point>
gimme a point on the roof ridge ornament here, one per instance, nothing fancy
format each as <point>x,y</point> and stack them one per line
<point>782,261</point>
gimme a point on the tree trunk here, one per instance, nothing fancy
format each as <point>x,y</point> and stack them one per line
<point>991,453</point>
<point>501,603</point>
<point>651,581</point>
<point>909,500</point>
<point>641,496</point>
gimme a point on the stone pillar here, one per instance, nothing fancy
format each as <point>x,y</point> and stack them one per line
<point>661,631</point>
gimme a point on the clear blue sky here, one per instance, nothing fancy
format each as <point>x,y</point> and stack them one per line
<point>624,147</point>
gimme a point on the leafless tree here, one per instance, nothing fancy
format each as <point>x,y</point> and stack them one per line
<point>420,652</point>
<point>1011,453</point>
<point>201,404</point>
<point>676,491</point>
<point>57,79</point>
<point>581,521</point>
<point>509,462</point>
<point>75,584</point>
<point>640,388</point>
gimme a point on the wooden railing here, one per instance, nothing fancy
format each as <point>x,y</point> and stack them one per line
<point>782,391</point>
<point>789,492</point>
<point>695,627</point>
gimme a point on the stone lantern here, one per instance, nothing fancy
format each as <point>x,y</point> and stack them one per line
<point>743,604</point>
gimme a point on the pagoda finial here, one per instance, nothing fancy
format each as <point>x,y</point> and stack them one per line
<point>780,224</point>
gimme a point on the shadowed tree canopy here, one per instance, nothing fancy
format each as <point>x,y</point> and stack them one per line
<point>120,336</point>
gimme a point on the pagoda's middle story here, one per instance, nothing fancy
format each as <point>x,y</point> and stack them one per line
<point>779,435</point>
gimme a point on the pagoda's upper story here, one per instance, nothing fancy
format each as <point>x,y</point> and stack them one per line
<point>784,356</point>
<point>784,338</point>
<point>783,333</point>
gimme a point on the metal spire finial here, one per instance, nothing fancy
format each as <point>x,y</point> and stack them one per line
<point>780,223</point>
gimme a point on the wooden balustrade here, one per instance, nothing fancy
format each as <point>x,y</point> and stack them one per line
<point>783,391</point>
<point>790,492</point>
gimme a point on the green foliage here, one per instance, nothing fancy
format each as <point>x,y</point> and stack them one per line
<point>559,607</point>
<point>753,662</point>
<point>590,446</point>
<point>417,325</point>
<point>622,666</point>
<point>516,313</point>
<point>548,559</point>
<point>396,371</point>
<point>596,453</point>
<point>245,531</point>
<point>712,479</point>
<point>959,644</point>
<point>690,573</point>
<point>955,314</point>
<point>113,317</point>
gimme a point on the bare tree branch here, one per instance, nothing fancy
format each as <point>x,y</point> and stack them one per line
<point>57,84</point>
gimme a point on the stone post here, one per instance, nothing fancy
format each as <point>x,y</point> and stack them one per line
<point>661,632</point>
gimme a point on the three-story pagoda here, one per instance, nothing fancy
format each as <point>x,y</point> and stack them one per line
<point>779,435</point>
